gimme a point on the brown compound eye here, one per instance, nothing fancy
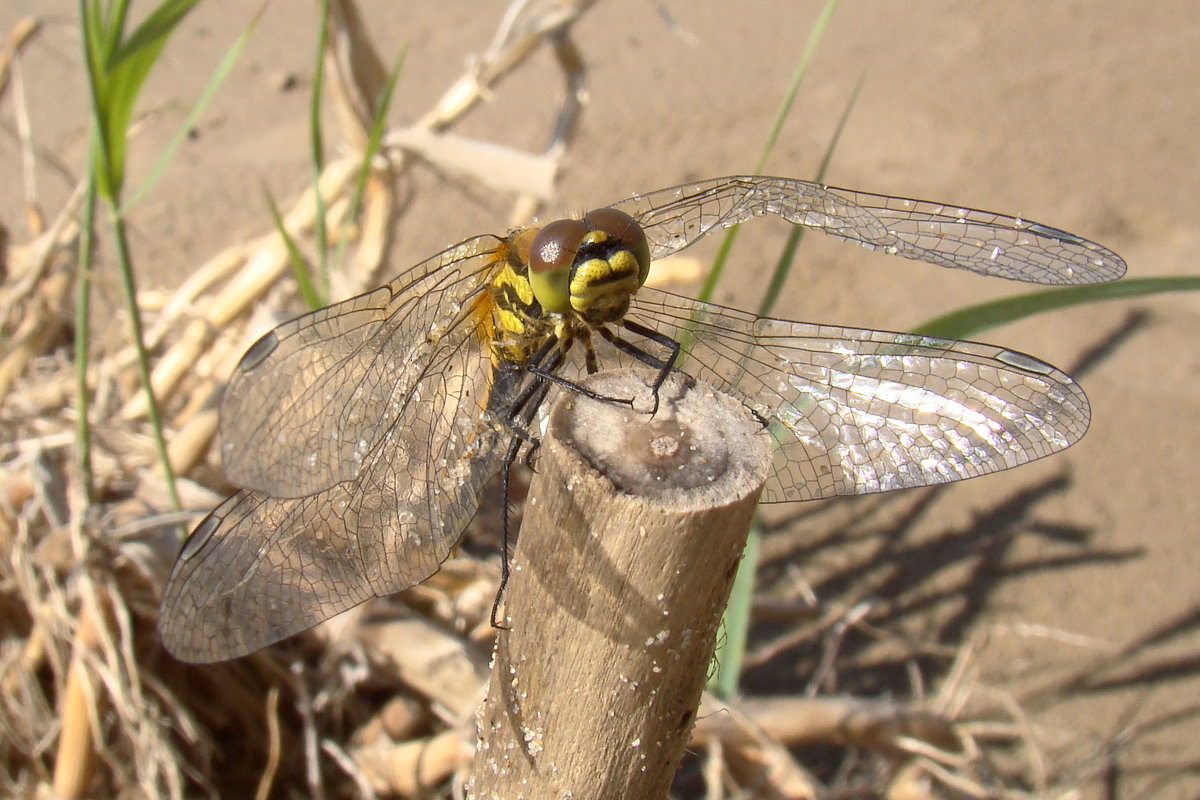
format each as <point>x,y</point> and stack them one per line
<point>555,246</point>
<point>625,230</point>
<point>551,257</point>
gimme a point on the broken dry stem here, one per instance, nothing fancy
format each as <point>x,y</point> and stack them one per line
<point>633,532</point>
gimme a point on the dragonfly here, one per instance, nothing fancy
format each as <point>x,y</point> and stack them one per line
<point>363,433</point>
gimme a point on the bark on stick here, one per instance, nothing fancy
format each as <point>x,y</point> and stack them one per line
<point>632,535</point>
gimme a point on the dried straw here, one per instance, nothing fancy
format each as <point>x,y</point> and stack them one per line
<point>382,701</point>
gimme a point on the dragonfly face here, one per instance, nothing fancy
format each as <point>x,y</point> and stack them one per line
<point>362,433</point>
<point>589,267</point>
<point>563,280</point>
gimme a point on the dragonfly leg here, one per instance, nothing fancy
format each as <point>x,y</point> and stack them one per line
<point>542,367</point>
<point>664,366</point>
<point>510,456</point>
<point>524,405</point>
<point>517,419</point>
<point>545,374</point>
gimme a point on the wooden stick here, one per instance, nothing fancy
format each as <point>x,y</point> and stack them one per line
<point>633,531</point>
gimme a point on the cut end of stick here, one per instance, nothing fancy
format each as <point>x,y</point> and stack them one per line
<point>687,444</point>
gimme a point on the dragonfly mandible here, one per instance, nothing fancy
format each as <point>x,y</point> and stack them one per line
<point>362,433</point>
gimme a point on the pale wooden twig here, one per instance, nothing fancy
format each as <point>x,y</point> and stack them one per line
<point>525,27</point>
<point>42,321</point>
<point>359,74</point>
<point>433,662</point>
<point>413,768</point>
<point>267,779</point>
<point>76,757</point>
<point>31,262</point>
<point>267,262</point>
<point>18,36</point>
<point>754,757</point>
<point>266,259</point>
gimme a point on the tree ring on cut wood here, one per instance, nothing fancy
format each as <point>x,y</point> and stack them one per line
<point>696,445</point>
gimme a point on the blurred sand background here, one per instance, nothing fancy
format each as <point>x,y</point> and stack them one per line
<point>1082,115</point>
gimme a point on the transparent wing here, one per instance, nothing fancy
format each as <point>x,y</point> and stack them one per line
<point>950,236</point>
<point>259,568</point>
<point>858,411</point>
<point>311,398</point>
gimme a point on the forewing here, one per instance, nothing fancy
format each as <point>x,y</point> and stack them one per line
<point>858,411</point>
<point>312,398</point>
<point>259,568</point>
<point>950,236</point>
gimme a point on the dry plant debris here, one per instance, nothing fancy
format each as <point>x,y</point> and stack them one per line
<point>378,702</point>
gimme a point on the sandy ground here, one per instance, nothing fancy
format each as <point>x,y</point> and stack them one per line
<point>1081,115</point>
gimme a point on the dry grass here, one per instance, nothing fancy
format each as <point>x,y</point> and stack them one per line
<point>91,704</point>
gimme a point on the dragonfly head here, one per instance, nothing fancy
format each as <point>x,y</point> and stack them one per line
<point>590,266</point>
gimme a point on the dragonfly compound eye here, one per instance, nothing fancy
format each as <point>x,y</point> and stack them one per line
<point>590,266</point>
<point>550,259</point>
<point>624,230</point>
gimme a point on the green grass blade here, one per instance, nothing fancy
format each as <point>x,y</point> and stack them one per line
<point>789,97</point>
<point>300,266</point>
<point>787,257</point>
<point>125,69</point>
<point>970,320</point>
<point>116,69</point>
<point>317,152</point>
<point>148,39</point>
<point>83,317</point>
<point>105,24</point>
<point>224,67</point>
<point>736,620</point>
<point>96,34</point>
<point>374,139</point>
<point>781,115</point>
<point>129,287</point>
<point>94,28</point>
